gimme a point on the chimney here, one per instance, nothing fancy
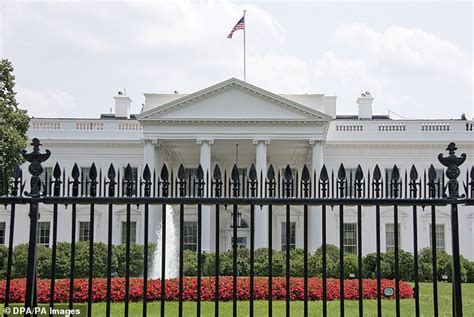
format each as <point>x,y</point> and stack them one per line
<point>329,105</point>
<point>122,106</point>
<point>365,105</point>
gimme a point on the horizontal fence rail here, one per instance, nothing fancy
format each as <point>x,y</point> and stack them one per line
<point>260,190</point>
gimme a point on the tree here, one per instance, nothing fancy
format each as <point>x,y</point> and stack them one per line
<point>13,122</point>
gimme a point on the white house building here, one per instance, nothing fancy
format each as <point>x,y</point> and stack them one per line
<point>204,128</point>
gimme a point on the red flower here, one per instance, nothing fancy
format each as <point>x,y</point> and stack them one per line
<point>117,290</point>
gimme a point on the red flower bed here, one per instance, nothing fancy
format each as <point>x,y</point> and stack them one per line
<point>99,290</point>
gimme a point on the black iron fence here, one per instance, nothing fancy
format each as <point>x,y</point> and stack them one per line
<point>216,188</point>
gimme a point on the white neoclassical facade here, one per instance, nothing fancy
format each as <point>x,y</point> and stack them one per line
<point>236,122</point>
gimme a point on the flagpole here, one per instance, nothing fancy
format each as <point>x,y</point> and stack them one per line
<point>245,52</point>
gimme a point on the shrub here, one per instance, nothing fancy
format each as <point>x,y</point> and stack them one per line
<point>20,260</point>
<point>63,259</point>
<point>350,265</point>
<point>406,265</point>
<point>469,267</point>
<point>296,263</point>
<point>226,263</point>
<point>369,265</point>
<point>332,261</point>
<point>189,263</point>
<point>278,263</point>
<point>315,265</point>
<point>332,252</point>
<point>43,266</point>
<point>136,258</point>
<point>405,269</point>
<point>444,266</point>
<point>3,261</point>
<point>261,262</point>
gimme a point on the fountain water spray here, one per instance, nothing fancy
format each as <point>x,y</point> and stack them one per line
<point>171,256</point>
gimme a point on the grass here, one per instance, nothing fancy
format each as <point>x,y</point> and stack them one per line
<point>315,308</point>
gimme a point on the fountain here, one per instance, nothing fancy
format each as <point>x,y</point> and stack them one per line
<point>171,256</point>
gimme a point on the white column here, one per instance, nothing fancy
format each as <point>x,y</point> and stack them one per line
<point>150,158</point>
<point>315,214</point>
<point>261,215</point>
<point>205,160</point>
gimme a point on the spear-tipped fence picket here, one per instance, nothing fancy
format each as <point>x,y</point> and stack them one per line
<point>322,188</point>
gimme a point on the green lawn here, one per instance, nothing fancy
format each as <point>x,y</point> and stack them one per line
<point>315,308</point>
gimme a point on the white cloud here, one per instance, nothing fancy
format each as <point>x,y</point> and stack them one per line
<point>279,73</point>
<point>409,47</point>
<point>47,103</point>
<point>93,49</point>
<point>407,70</point>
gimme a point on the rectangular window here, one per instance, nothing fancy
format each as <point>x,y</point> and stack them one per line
<point>85,182</point>
<point>241,242</point>
<point>390,237</point>
<point>133,232</point>
<point>292,235</point>
<point>190,235</point>
<point>2,232</point>
<point>42,233</point>
<point>135,181</point>
<point>439,237</point>
<point>84,230</point>
<point>350,238</point>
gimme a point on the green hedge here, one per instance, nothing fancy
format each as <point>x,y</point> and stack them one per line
<point>63,260</point>
<point>315,263</point>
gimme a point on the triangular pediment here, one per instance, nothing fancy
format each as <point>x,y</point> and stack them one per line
<point>230,100</point>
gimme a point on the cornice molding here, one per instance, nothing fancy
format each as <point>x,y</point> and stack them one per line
<point>94,143</point>
<point>382,144</point>
<point>243,121</point>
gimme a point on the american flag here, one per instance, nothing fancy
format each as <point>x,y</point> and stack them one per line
<point>239,26</point>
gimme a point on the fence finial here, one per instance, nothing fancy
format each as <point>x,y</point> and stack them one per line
<point>452,162</point>
<point>35,168</point>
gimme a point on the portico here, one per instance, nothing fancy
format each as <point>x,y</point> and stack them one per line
<point>208,127</point>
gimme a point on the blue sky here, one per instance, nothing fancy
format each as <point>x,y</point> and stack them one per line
<point>70,58</point>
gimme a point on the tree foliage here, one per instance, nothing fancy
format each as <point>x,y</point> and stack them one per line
<point>13,121</point>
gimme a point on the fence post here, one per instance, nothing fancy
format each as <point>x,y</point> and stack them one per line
<point>35,169</point>
<point>452,162</point>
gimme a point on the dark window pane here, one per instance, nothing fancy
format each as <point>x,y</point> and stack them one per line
<point>190,235</point>
<point>84,231</point>
<point>42,232</point>
<point>350,238</point>
<point>439,237</point>
<point>241,242</point>
<point>2,232</point>
<point>133,232</point>
<point>292,235</point>
<point>390,237</point>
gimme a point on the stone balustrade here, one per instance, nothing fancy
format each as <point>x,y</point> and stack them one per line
<point>84,125</point>
<point>403,126</point>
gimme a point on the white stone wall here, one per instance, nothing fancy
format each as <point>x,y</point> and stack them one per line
<point>268,130</point>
